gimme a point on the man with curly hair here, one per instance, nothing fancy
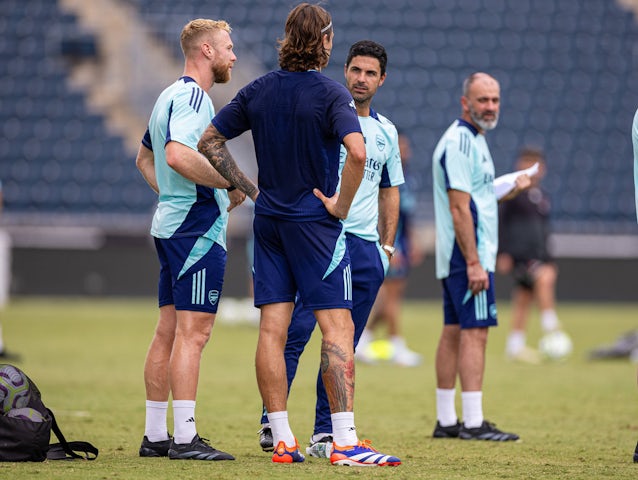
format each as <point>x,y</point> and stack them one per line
<point>299,119</point>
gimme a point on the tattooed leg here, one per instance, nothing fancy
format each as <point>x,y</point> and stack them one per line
<point>337,371</point>
<point>337,357</point>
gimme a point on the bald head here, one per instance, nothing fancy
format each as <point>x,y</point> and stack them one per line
<point>481,101</point>
<point>479,78</point>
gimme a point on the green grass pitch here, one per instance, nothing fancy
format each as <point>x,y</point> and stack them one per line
<point>577,419</point>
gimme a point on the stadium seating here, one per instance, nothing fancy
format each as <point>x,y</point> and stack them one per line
<point>57,158</point>
<point>566,70</point>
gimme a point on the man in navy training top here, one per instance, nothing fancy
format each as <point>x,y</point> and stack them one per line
<point>299,118</point>
<point>376,203</point>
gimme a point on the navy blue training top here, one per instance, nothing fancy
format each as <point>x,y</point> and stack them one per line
<point>298,121</point>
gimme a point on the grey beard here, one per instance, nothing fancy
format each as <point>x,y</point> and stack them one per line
<point>486,125</point>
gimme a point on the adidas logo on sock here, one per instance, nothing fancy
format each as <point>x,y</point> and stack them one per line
<point>191,420</point>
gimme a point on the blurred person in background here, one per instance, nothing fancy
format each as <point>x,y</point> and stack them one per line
<point>466,217</point>
<point>626,345</point>
<point>634,140</point>
<point>5,282</point>
<point>523,252</point>
<point>386,312</point>
<point>189,229</point>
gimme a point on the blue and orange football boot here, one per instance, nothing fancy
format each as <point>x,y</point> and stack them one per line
<point>361,455</point>
<point>285,454</point>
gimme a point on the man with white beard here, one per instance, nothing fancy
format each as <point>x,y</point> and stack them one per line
<point>466,215</point>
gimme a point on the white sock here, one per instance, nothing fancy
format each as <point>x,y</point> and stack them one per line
<point>344,432</point>
<point>398,342</point>
<point>155,429</point>
<point>515,342</point>
<point>549,321</point>
<point>472,409</point>
<point>281,429</point>
<point>445,408</point>
<point>184,421</point>
<point>366,338</point>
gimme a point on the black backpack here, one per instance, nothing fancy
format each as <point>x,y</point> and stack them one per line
<point>25,440</point>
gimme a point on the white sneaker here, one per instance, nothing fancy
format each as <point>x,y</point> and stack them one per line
<point>320,448</point>
<point>403,356</point>
<point>364,354</point>
<point>525,355</point>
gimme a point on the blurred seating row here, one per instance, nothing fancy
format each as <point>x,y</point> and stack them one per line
<point>566,70</point>
<point>56,157</point>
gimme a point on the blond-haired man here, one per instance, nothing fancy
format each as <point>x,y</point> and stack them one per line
<point>189,230</point>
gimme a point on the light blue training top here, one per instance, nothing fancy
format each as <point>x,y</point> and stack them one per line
<point>181,114</point>
<point>462,161</point>
<point>382,170</point>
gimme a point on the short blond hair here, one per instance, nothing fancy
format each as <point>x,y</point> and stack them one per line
<point>194,30</point>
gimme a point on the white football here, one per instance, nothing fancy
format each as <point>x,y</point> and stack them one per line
<point>556,345</point>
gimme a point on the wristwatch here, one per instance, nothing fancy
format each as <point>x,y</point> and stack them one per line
<point>390,249</point>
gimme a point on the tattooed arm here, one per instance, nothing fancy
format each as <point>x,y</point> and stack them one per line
<point>213,146</point>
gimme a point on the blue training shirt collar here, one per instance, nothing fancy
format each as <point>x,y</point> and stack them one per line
<point>472,128</point>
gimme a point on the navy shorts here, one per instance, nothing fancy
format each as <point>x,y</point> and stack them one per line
<point>525,272</point>
<point>191,273</point>
<point>311,258</point>
<point>462,308</point>
<point>369,263</point>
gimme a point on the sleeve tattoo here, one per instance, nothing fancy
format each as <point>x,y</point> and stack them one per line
<point>213,146</point>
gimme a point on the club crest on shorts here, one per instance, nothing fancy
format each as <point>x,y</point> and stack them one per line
<point>213,296</point>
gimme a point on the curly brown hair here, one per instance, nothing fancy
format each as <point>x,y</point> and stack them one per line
<point>302,47</point>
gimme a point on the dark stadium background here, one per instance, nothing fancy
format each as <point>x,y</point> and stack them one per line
<point>78,80</point>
